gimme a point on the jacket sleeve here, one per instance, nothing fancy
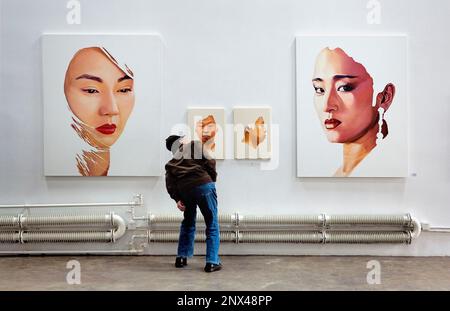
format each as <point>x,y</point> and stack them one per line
<point>172,188</point>
<point>210,167</point>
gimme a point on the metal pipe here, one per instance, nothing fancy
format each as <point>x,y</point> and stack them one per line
<point>249,220</point>
<point>280,237</point>
<point>328,228</point>
<point>65,237</point>
<point>119,225</point>
<point>65,220</point>
<point>172,236</point>
<point>308,228</point>
<point>224,219</point>
<point>34,236</point>
<point>9,237</point>
<point>391,220</point>
<point>437,229</point>
<point>417,228</point>
<point>355,237</point>
<point>318,221</point>
<point>367,237</point>
<point>52,205</point>
<point>9,222</point>
<point>71,252</point>
<point>139,201</point>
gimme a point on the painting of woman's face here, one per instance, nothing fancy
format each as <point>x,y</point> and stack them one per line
<point>255,134</point>
<point>343,96</point>
<point>252,127</point>
<point>99,94</point>
<point>206,128</point>
<point>206,124</point>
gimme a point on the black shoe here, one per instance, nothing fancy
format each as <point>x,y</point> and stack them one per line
<point>180,262</point>
<point>210,267</point>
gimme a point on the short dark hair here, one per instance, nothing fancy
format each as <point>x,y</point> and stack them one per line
<point>170,140</point>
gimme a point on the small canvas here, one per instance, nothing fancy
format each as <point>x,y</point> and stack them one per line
<point>102,104</point>
<point>208,126</point>
<point>352,108</point>
<point>252,132</point>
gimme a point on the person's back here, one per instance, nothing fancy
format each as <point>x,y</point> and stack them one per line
<point>190,181</point>
<point>189,167</point>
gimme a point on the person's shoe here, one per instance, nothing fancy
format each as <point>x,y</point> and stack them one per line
<point>210,267</point>
<point>180,262</point>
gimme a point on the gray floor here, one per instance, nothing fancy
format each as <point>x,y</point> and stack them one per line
<point>239,273</point>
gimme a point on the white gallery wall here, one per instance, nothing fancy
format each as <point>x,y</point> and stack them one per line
<point>226,53</point>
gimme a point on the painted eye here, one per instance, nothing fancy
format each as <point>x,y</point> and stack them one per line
<point>346,88</point>
<point>90,91</point>
<point>319,90</point>
<point>124,90</point>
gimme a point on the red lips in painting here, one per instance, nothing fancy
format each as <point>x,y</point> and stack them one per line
<point>107,129</point>
<point>331,124</point>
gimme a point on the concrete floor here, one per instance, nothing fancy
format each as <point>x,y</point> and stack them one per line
<point>239,273</point>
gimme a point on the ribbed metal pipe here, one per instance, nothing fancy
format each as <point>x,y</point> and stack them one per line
<point>292,237</point>
<point>66,237</point>
<point>320,220</point>
<point>224,219</point>
<point>314,220</point>
<point>54,221</point>
<point>314,234</point>
<point>388,220</point>
<point>367,237</point>
<point>167,236</point>
<point>66,220</point>
<point>280,237</point>
<point>60,223</point>
<point>172,236</point>
<point>9,221</point>
<point>9,237</point>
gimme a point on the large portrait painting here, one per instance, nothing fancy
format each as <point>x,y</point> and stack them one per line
<point>352,116</point>
<point>102,104</point>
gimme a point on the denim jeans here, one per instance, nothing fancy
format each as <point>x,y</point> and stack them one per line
<point>205,197</point>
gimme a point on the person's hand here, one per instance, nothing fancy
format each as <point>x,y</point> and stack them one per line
<point>181,206</point>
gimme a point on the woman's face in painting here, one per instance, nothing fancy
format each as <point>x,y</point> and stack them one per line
<point>100,95</point>
<point>343,96</point>
<point>255,135</point>
<point>206,128</point>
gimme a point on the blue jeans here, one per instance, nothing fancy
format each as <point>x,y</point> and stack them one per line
<point>205,197</point>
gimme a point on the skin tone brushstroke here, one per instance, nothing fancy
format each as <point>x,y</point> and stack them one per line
<point>255,135</point>
<point>206,129</point>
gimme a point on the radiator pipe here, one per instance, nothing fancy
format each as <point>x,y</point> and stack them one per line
<point>28,229</point>
<point>26,224</point>
<point>322,220</point>
<point>317,237</point>
<point>416,228</point>
<point>138,201</point>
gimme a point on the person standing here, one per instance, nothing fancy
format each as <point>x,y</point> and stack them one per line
<point>190,181</point>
